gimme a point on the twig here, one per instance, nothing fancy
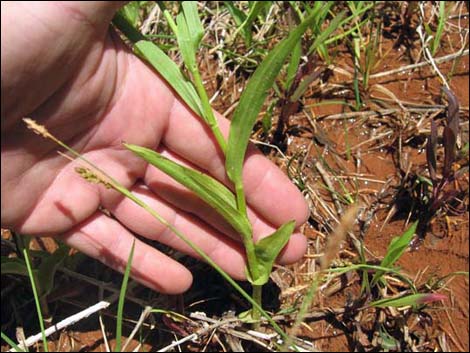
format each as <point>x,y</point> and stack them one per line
<point>103,333</point>
<point>152,18</point>
<point>421,64</point>
<point>200,332</point>
<point>329,184</point>
<point>100,284</point>
<point>173,344</point>
<point>62,324</point>
<point>142,318</point>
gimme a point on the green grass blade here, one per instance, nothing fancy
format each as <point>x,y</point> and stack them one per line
<point>207,188</point>
<point>436,42</point>
<point>166,67</point>
<point>48,268</point>
<point>245,22</point>
<point>251,103</point>
<point>239,17</point>
<point>13,266</point>
<point>193,23</point>
<point>237,14</point>
<point>293,65</point>
<point>189,33</point>
<point>170,72</point>
<point>246,26</point>
<point>122,297</point>
<point>185,43</point>
<point>324,34</point>
<point>131,12</point>
<point>11,343</point>
<point>408,300</point>
<point>395,250</point>
<point>36,298</point>
<point>267,250</point>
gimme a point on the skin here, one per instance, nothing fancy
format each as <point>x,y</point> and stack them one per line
<point>63,66</point>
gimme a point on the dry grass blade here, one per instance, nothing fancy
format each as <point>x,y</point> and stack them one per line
<point>335,240</point>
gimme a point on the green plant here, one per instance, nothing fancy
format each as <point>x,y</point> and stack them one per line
<point>122,296</point>
<point>245,21</point>
<point>232,206</point>
<point>441,21</point>
<point>36,298</point>
<point>437,194</point>
<point>12,343</point>
<point>44,272</point>
<point>98,176</point>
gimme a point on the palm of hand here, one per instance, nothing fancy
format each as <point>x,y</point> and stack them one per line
<point>110,96</point>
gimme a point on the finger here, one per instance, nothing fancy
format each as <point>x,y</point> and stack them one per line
<point>171,191</point>
<point>267,189</point>
<point>109,242</point>
<point>224,251</point>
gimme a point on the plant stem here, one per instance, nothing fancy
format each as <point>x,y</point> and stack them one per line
<point>258,298</point>
<point>207,109</point>
<point>33,278</point>
<point>240,193</point>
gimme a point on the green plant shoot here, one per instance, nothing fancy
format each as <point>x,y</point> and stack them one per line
<point>188,30</point>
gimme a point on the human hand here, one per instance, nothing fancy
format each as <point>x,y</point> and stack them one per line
<point>62,66</point>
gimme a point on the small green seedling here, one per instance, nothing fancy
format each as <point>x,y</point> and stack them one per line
<point>395,250</point>
<point>232,206</point>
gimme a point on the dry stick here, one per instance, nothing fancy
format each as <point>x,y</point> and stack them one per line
<point>380,136</point>
<point>100,284</point>
<point>429,57</point>
<point>421,64</point>
<point>327,180</point>
<point>142,318</point>
<point>369,113</point>
<point>103,333</point>
<point>200,332</point>
<point>62,324</point>
<point>152,18</point>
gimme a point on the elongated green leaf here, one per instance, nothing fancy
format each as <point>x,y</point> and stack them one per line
<point>408,300</point>
<point>48,268</point>
<point>185,43</point>
<point>293,65</point>
<point>237,14</point>
<point>323,35</point>
<point>170,72</point>
<point>207,188</point>
<point>193,23</point>
<point>189,33</point>
<point>246,26</point>
<point>166,67</point>
<point>267,250</point>
<point>122,298</point>
<point>13,266</point>
<point>253,98</point>
<point>396,248</point>
<point>12,343</point>
<point>32,278</point>
<point>131,12</point>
